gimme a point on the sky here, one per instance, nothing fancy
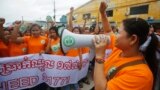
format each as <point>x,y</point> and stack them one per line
<point>32,10</point>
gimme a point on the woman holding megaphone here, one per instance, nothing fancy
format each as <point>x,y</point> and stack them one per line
<point>127,68</point>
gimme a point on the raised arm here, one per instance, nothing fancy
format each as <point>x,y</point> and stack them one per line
<point>105,22</point>
<point>100,80</point>
<point>84,25</point>
<point>14,34</point>
<point>71,19</point>
<point>97,30</point>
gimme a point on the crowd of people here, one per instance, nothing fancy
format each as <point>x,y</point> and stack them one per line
<point>132,65</point>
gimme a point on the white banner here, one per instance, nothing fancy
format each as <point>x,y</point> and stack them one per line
<point>30,70</point>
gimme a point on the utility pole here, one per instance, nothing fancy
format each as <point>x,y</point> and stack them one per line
<point>54,10</point>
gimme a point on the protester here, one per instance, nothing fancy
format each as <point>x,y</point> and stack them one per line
<point>96,29</point>
<point>142,68</point>
<point>7,34</point>
<point>86,30</point>
<point>131,63</point>
<point>43,33</point>
<point>35,43</point>
<point>157,29</point>
<point>27,33</point>
<point>53,46</point>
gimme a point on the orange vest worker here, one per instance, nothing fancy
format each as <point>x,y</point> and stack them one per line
<point>55,47</point>
<point>137,77</point>
<point>36,45</point>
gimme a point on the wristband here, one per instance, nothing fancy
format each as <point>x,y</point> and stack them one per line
<point>100,60</point>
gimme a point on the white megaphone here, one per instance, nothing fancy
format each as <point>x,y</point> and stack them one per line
<point>70,40</point>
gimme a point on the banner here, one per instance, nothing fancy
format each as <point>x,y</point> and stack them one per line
<point>30,70</point>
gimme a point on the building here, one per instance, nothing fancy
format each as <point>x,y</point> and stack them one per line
<point>119,10</point>
<point>90,9</point>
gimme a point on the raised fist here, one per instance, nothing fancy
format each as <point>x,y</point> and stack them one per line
<point>2,21</point>
<point>103,7</point>
<point>71,9</point>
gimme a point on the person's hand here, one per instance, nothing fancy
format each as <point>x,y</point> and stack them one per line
<point>71,9</point>
<point>100,42</point>
<point>103,7</point>
<point>49,40</point>
<point>79,66</point>
<point>2,21</point>
<point>17,24</point>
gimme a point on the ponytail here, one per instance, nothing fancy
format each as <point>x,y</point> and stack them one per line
<point>150,55</point>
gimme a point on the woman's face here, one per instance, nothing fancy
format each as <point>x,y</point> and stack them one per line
<point>101,31</point>
<point>36,31</point>
<point>43,33</point>
<point>158,31</point>
<point>151,30</point>
<point>123,40</point>
<point>7,34</point>
<point>53,34</point>
<point>27,33</point>
<point>87,31</point>
<point>76,31</point>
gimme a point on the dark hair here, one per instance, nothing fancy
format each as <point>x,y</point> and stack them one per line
<point>86,28</point>
<point>5,28</point>
<point>77,28</point>
<point>140,28</point>
<point>33,25</point>
<point>91,29</point>
<point>156,26</point>
<point>20,34</point>
<point>54,28</point>
<point>114,28</point>
<point>28,30</point>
